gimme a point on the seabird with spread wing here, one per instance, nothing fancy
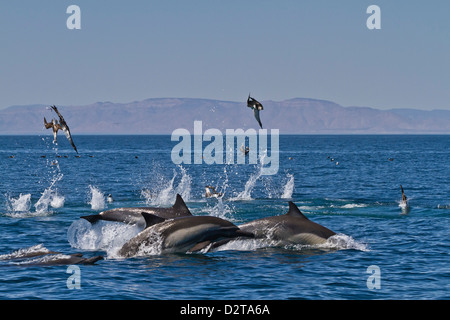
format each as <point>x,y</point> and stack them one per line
<point>62,125</point>
<point>256,106</point>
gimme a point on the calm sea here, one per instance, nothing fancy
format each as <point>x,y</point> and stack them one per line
<point>350,184</point>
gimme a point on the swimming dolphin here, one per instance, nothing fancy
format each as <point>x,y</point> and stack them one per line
<point>210,192</point>
<point>256,106</point>
<point>184,234</point>
<point>39,255</point>
<point>62,259</point>
<point>133,215</point>
<point>64,127</point>
<point>292,227</point>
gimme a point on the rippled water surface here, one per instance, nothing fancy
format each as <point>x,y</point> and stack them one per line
<point>349,184</point>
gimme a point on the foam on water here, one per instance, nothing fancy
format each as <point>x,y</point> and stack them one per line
<point>336,242</point>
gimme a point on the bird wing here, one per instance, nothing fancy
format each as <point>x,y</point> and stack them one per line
<point>66,131</point>
<point>256,113</point>
<point>65,128</point>
<point>48,125</point>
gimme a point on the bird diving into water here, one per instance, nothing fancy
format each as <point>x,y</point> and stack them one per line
<point>62,125</point>
<point>256,106</point>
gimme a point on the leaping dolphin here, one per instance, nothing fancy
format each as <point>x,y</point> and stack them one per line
<point>184,234</point>
<point>256,106</point>
<point>292,227</point>
<point>133,215</point>
<point>62,125</point>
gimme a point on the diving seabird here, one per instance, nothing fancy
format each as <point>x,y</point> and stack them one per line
<point>404,199</point>
<point>256,106</point>
<point>210,192</point>
<point>54,125</point>
<point>245,150</point>
<point>63,126</point>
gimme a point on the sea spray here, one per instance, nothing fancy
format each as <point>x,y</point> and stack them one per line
<point>103,235</point>
<point>288,188</point>
<point>20,204</point>
<point>163,191</point>
<point>251,182</point>
<point>97,200</point>
<point>50,197</point>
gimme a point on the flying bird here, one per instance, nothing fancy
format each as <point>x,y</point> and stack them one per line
<point>256,106</point>
<point>62,125</point>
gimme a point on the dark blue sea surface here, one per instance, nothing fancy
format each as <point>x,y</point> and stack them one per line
<point>349,184</point>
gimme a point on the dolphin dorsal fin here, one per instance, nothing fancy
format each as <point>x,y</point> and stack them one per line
<point>295,211</point>
<point>151,219</point>
<point>180,206</point>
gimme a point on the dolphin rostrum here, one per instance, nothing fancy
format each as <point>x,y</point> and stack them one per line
<point>292,227</point>
<point>184,234</point>
<point>133,215</point>
<point>256,106</point>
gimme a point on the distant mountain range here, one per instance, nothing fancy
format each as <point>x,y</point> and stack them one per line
<point>163,115</point>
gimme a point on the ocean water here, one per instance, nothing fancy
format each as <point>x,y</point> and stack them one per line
<point>343,182</point>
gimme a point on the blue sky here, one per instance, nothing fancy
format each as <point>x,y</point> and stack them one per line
<point>277,50</point>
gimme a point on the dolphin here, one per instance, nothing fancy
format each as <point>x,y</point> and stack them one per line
<point>62,259</point>
<point>256,106</point>
<point>292,227</point>
<point>133,215</point>
<point>184,234</point>
<point>39,255</point>
<point>64,127</point>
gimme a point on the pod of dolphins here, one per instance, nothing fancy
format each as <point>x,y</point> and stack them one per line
<point>175,229</point>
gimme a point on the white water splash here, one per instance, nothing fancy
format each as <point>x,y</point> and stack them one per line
<point>97,200</point>
<point>22,204</point>
<point>103,235</point>
<point>50,196</point>
<point>163,192</point>
<point>342,241</point>
<point>288,188</point>
<point>336,242</point>
<point>220,209</point>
